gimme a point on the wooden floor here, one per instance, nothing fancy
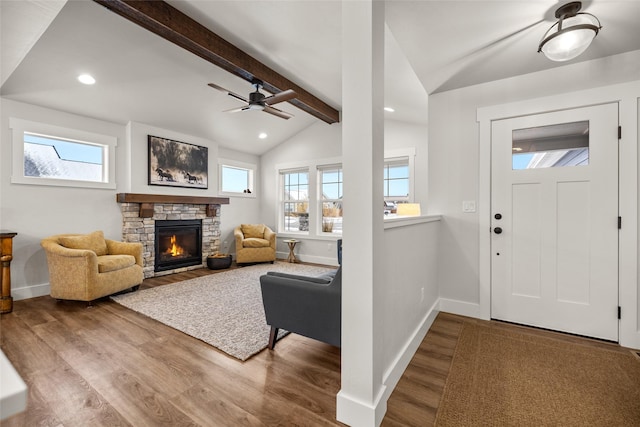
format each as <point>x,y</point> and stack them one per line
<point>110,366</point>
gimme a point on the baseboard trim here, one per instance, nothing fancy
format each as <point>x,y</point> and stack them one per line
<point>461,308</point>
<point>354,412</point>
<point>351,411</point>
<point>396,369</point>
<point>27,292</point>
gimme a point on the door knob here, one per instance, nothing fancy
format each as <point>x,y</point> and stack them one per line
<point>497,230</point>
<point>498,216</point>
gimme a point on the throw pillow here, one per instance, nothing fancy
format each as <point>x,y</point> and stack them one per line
<point>252,230</point>
<point>93,241</point>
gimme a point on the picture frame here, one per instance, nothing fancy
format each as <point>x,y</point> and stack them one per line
<point>177,164</point>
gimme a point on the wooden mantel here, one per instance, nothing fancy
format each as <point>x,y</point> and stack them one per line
<point>147,201</point>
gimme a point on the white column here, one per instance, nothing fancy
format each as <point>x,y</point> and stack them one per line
<point>360,401</point>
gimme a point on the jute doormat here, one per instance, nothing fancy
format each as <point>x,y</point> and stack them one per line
<point>504,378</point>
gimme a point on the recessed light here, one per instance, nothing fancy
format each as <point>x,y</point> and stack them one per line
<point>389,109</point>
<point>86,79</point>
<point>262,135</point>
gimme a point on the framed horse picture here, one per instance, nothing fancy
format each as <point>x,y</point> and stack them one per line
<point>177,164</point>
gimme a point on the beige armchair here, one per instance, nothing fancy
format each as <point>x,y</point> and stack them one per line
<point>85,267</point>
<point>254,243</point>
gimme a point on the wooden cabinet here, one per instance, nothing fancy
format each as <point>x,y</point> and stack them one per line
<point>6,244</point>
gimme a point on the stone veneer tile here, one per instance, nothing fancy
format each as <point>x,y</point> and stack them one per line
<point>136,229</point>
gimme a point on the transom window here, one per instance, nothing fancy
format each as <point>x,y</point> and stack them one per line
<point>50,155</point>
<point>553,146</point>
<point>236,178</point>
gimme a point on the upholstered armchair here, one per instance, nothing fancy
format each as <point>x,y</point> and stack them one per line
<point>254,243</point>
<point>309,306</point>
<point>85,267</point>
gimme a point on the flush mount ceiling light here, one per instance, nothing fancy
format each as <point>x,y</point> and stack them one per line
<point>86,79</point>
<point>571,35</point>
<point>262,135</point>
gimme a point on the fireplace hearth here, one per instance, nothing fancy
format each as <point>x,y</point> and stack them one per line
<point>178,244</point>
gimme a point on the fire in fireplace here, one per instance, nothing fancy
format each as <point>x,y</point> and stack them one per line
<point>178,244</point>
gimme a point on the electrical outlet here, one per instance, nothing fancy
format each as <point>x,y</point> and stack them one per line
<point>422,295</point>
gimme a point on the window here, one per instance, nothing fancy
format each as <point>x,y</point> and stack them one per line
<point>331,198</point>
<point>51,155</point>
<point>312,198</point>
<point>295,199</point>
<point>565,144</point>
<point>397,179</point>
<point>236,178</point>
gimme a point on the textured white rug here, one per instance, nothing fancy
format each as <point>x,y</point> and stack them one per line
<point>223,309</point>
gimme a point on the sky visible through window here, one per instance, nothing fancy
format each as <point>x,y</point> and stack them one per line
<point>234,180</point>
<point>396,180</point>
<point>332,184</point>
<point>69,150</point>
<point>520,161</point>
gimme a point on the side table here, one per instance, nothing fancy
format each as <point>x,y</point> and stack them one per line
<point>6,255</point>
<point>292,244</point>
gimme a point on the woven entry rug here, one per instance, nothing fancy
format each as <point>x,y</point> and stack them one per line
<point>224,309</point>
<point>504,378</point>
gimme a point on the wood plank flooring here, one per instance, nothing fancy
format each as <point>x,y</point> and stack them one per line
<point>110,366</point>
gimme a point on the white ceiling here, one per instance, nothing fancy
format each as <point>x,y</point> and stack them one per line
<point>431,46</point>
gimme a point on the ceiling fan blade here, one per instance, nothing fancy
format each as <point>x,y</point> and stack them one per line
<point>276,112</point>
<point>280,97</point>
<point>235,95</point>
<point>236,110</point>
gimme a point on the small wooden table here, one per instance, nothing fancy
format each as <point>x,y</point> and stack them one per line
<point>292,244</point>
<point>6,255</point>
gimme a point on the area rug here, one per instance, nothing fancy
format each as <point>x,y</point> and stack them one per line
<point>224,309</point>
<point>504,378</point>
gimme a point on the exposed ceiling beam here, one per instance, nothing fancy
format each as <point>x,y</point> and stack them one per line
<point>168,22</point>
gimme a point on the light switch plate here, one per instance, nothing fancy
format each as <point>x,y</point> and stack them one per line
<point>469,206</point>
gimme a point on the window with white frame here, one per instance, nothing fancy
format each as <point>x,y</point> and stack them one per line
<point>397,179</point>
<point>45,154</point>
<point>312,202</point>
<point>330,180</point>
<point>295,200</point>
<point>236,178</point>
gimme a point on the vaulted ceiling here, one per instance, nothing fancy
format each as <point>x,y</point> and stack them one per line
<point>431,46</point>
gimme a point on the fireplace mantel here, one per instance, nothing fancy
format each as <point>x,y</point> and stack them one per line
<point>147,201</point>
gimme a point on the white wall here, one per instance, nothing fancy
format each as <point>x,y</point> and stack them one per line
<point>323,141</point>
<point>454,161</point>
<point>410,292</point>
<point>35,211</point>
<point>240,210</point>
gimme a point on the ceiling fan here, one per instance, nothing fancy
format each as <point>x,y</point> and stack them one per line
<point>258,101</point>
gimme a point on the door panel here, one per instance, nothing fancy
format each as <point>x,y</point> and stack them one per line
<point>555,184</point>
<point>527,245</point>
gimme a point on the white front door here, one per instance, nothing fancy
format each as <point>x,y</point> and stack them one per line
<point>554,207</point>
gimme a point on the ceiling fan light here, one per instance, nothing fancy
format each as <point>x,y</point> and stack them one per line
<point>570,36</point>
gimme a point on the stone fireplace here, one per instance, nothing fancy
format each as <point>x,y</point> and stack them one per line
<point>144,214</point>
